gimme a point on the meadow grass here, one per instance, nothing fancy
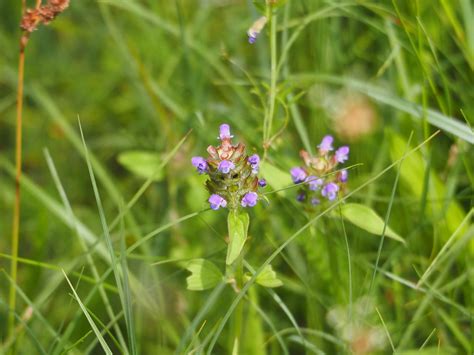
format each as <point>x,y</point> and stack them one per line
<point>119,95</point>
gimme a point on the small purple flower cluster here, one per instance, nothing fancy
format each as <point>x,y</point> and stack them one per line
<point>233,180</point>
<point>315,176</point>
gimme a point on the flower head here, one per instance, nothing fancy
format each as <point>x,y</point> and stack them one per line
<point>298,174</point>
<point>320,174</point>
<point>217,201</point>
<point>330,191</point>
<point>233,180</point>
<point>326,144</point>
<point>249,200</point>
<point>342,154</point>
<point>200,163</point>
<point>226,166</point>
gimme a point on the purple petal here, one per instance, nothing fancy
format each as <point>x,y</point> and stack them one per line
<point>326,144</point>
<point>217,201</point>
<point>250,199</point>
<point>342,154</point>
<point>224,132</point>
<point>226,166</point>
<point>298,174</point>
<point>200,163</point>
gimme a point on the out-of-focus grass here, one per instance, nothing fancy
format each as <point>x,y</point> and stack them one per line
<point>140,75</point>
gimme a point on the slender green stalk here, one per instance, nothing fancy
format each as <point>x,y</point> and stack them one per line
<point>270,112</point>
<point>239,312</point>
<point>16,207</point>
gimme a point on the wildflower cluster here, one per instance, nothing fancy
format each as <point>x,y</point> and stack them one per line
<point>316,178</point>
<point>233,180</point>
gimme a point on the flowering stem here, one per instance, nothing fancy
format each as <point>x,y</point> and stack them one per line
<point>16,207</point>
<point>273,79</point>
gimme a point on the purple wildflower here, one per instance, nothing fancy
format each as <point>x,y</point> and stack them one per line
<point>254,160</point>
<point>224,132</point>
<point>262,182</point>
<point>217,201</point>
<point>342,154</point>
<point>200,163</point>
<point>301,197</point>
<point>330,191</point>
<point>326,144</point>
<point>315,201</point>
<point>250,199</point>
<point>314,182</point>
<point>298,174</point>
<point>252,37</point>
<point>226,166</point>
<point>343,175</point>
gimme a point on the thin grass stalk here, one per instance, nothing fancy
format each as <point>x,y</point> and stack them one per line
<point>267,125</point>
<point>16,207</point>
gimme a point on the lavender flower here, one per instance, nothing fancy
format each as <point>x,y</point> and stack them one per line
<point>255,29</point>
<point>343,174</point>
<point>252,37</point>
<point>326,144</point>
<point>301,197</point>
<point>217,201</point>
<point>254,161</point>
<point>224,132</point>
<point>249,200</point>
<point>330,191</point>
<point>315,201</point>
<point>233,179</point>
<point>298,174</point>
<point>342,154</point>
<point>314,183</point>
<point>324,163</point>
<point>226,166</point>
<point>200,163</point>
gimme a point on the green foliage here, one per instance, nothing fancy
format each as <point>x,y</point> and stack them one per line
<point>238,225</point>
<point>141,163</point>
<point>367,219</point>
<point>268,278</point>
<point>204,275</point>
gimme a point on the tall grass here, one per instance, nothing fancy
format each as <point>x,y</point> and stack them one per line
<point>115,204</point>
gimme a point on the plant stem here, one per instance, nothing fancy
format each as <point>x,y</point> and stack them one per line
<point>16,207</point>
<point>273,79</point>
<point>239,312</point>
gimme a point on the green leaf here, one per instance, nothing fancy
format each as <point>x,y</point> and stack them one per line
<point>276,178</point>
<point>238,225</point>
<point>142,163</point>
<point>365,218</point>
<point>204,275</point>
<point>268,278</point>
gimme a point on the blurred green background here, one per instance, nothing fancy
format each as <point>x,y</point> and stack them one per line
<point>140,75</point>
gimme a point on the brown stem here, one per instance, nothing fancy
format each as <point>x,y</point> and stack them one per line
<point>16,207</point>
